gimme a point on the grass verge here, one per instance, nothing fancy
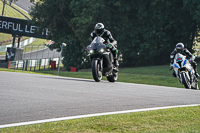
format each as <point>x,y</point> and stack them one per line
<point>186,119</point>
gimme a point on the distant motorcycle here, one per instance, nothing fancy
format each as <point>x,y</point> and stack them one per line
<point>185,72</point>
<point>101,59</point>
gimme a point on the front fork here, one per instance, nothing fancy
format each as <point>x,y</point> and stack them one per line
<point>187,75</point>
<point>101,64</point>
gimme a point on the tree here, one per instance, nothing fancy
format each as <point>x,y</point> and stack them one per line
<point>146,31</point>
<point>69,21</point>
<point>151,29</point>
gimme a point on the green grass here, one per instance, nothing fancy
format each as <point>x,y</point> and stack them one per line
<point>185,119</point>
<point>36,45</point>
<point>2,53</point>
<point>39,42</point>
<point>10,12</point>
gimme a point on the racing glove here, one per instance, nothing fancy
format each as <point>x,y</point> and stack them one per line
<point>192,58</point>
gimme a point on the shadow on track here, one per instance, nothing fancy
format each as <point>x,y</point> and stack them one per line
<point>75,79</point>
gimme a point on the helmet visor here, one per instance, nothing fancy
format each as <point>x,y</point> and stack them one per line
<point>178,50</point>
<point>99,31</point>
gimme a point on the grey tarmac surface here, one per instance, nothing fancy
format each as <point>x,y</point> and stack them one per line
<point>30,97</point>
<point>24,4</point>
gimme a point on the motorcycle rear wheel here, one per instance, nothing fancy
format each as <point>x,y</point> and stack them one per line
<point>185,81</point>
<point>96,73</point>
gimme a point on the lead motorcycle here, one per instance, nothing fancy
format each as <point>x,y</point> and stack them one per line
<point>185,72</point>
<point>101,59</point>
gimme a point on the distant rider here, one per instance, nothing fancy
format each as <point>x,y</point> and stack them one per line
<point>109,40</point>
<point>180,49</point>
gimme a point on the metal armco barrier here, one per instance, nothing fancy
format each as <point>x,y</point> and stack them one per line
<point>36,58</point>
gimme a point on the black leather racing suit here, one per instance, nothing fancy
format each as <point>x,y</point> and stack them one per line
<point>106,35</point>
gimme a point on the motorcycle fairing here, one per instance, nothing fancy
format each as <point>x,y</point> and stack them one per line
<point>176,65</point>
<point>96,45</point>
<point>185,61</point>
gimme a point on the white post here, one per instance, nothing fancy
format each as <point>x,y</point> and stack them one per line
<point>60,57</point>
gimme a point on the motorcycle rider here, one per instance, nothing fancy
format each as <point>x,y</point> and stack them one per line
<point>180,49</point>
<point>99,30</point>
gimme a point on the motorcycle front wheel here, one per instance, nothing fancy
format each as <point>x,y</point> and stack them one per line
<point>185,81</point>
<point>96,72</point>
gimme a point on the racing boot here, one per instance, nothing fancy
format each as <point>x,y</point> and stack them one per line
<point>196,73</point>
<point>174,74</point>
<point>115,69</point>
<point>194,65</point>
<point>195,70</point>
<point>116,63</point>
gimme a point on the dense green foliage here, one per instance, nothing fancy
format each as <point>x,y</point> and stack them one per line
<point>146,31</point>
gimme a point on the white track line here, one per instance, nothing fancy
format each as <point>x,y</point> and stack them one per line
<point>92,115</point>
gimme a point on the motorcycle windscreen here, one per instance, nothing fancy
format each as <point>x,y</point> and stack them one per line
<point>179,57</point>
<point>98,43</point>
<point>98,39</point>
